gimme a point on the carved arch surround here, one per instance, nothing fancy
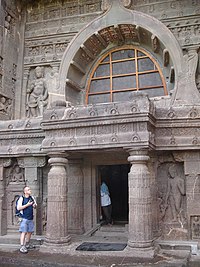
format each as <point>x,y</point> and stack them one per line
<point>74,75</point>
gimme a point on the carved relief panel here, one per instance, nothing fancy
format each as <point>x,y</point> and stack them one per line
<point>15,181</point>
<point>6,108</point>
<point>172,200</point>
<point>57,22</point>
<point>8,59</point>
<point>195,227</point>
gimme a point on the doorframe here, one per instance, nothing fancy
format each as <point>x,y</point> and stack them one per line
<point>98,184</point>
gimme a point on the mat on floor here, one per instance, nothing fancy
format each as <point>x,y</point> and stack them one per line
<point>89,246</point>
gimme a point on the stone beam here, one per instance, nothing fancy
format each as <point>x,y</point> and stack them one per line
<point>73,84</point>
<point>87,51</point>
<point>78,67</point>
<point>119,33</point>
<point>101,39</point>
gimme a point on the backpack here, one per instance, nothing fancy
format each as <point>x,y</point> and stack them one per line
<point>18,212</point>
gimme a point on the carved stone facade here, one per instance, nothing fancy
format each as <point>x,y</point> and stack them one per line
<point>53,139</point>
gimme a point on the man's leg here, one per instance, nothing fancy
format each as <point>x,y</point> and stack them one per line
<point>110,214</point>
<point>23,231</point>
<point>22,239</point>
<point>107,212</point>
<point>29,233</point>
<point>28,237</point>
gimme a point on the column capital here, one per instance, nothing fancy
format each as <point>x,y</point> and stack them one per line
<point>58,158</point>
<point>31,162</point>
<point>138,155</point>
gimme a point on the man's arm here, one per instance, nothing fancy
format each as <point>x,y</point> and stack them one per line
<point>22,207</point>
<point>34,202</point>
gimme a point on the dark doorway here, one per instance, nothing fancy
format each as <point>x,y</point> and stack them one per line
<point>117,182</point>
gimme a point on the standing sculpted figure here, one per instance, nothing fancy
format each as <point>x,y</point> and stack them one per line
<point>175,192</point>
<point>37,95</point>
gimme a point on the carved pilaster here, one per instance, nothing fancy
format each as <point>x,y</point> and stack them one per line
<point>140,199</point>
<point>33,175</point>
<point>31,165</point>
<point>75,198</point>
<point>57,212</point>
<point>25,86</point>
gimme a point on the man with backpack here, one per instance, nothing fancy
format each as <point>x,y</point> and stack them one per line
<point>25,205</point>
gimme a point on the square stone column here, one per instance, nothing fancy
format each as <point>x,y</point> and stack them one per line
<point>57,237</point>
<point>140,237</point>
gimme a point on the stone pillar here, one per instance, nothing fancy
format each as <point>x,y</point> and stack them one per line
<point>75,198</point>
<point>33,178</point>
<point>57,213</point>
<point>3,210</point>
<point>140,204</point>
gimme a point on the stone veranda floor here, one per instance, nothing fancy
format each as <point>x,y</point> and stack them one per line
<point>11,257</point>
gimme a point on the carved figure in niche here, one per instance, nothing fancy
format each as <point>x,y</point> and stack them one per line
<point>7,22</point>
<point>155,43</point>
<point>105,5</point>
<point>37,95</point>
<point>17,176</point>
<point>44,215</point>
<point>195,225</point>
<point>3,105</point>
<point>9,107</point>
<point>192,60</point>
<point>175,193</point>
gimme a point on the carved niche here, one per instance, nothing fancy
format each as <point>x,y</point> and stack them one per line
<point>37,93</point>
<point>15,181</point>
<point>172,200</point>
<point>195,227</point>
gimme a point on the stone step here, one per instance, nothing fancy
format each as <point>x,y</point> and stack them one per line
<point>111,231</point>
<point>14,239</point>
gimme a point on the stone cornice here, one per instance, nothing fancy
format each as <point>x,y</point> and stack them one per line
<point>109,125</point>
<point>132,124</point>
<point>21,137</point>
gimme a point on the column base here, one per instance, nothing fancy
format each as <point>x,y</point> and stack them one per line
<point>56,246</point>
<point>144,253</point>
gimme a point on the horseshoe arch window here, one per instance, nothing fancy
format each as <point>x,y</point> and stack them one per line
<point>122,71</point>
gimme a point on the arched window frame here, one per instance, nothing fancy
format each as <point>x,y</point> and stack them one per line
<point>137,73</point>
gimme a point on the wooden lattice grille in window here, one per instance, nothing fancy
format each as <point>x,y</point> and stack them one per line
<point>121,72</point>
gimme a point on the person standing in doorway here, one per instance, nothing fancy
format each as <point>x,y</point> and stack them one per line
<point>106,203</point>
<point>25,205</point>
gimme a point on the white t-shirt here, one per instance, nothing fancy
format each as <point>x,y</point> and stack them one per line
<point>105,200</point>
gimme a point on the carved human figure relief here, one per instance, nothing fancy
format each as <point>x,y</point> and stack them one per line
<point>195,227</point>
<point>174,195</point>
<point>3,104</point>
<point>16,175</point>
<point>9,108</point>
<point>37,94</point>
<point>7,22</point>
<point>105,5</point>
<point>192,60</point>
